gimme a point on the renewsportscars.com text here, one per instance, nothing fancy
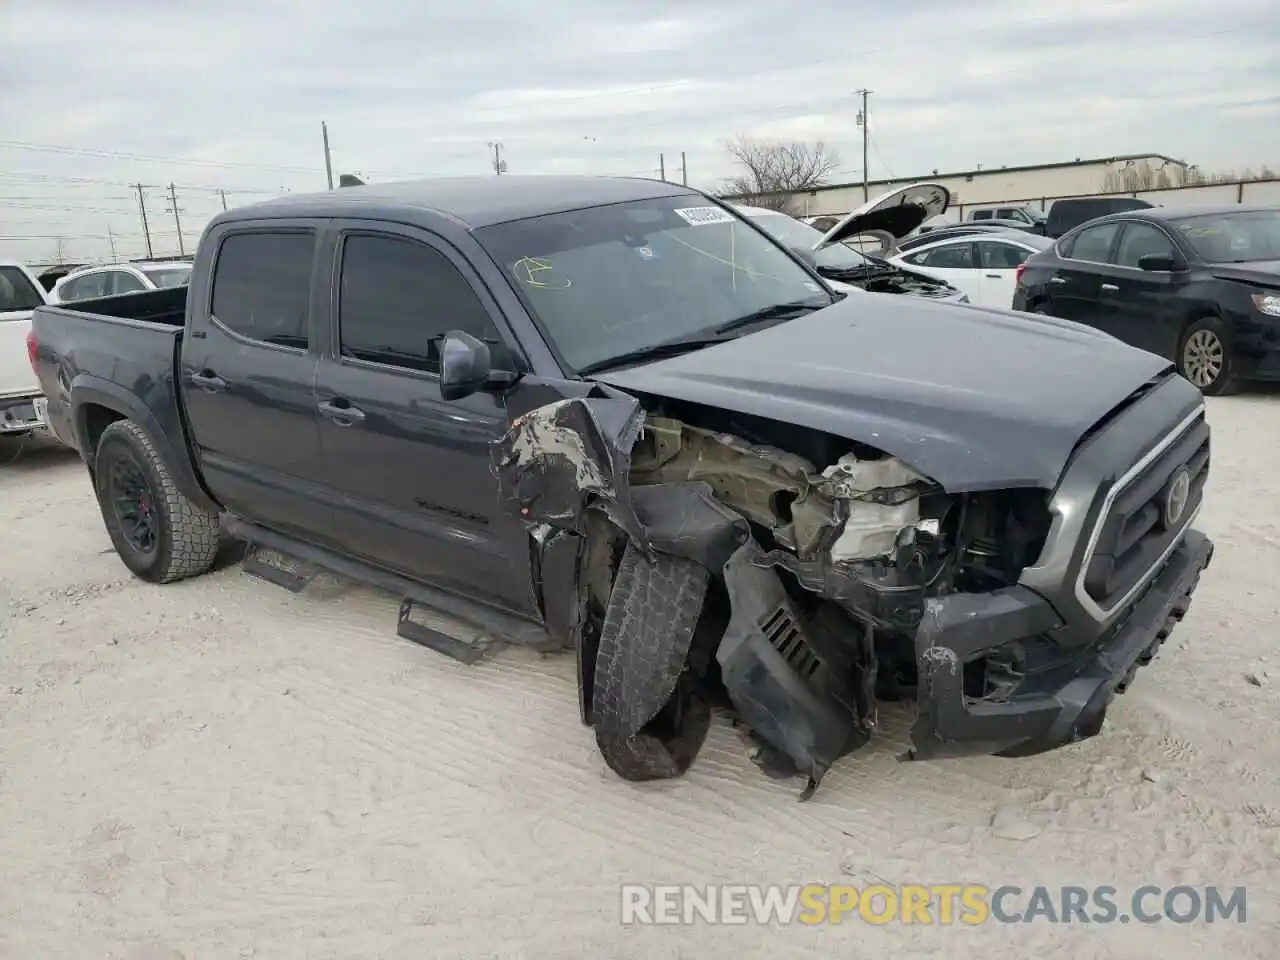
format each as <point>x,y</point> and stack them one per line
<point>940,904</point>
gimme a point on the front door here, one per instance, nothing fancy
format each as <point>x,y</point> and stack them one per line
<point>248,371</point>
<point>1145,301</point>
<point>409,471</point>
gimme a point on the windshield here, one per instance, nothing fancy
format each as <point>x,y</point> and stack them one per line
<point>1234,237</point>
<point>168,276</point>
<point>835,258</point>
<point>611,280</point>
<point>16,291</point>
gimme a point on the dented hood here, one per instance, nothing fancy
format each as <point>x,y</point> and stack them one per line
<point>974,398</point>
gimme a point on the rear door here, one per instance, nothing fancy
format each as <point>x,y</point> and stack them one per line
<point>955,262</point>
<point>998,261</point>
<point>410,471</point>
<point>1075,284</point>
<point>1145,302</point>
<point>249,366</point>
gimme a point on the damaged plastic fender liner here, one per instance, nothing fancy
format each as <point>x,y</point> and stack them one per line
<point>768,666</point>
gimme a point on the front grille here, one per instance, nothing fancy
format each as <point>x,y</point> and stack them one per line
<point>1134,535</point>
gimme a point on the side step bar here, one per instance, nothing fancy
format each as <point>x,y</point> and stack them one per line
<point>292,564</point>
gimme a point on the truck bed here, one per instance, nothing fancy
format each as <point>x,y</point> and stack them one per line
<point>122,349</point>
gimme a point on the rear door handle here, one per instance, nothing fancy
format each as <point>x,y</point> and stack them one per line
<point>341,412</point>
<point>208,381</point>
<point>1110,288</point>
<point>1057,279</point>
<point>995,276</point>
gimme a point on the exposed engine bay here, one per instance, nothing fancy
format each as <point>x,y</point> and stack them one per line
<point>901,281</point>
<point>777,571</point>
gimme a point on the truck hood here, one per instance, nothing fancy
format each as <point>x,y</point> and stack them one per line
<point>976,399</point>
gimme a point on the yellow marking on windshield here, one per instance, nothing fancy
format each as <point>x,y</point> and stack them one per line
<point>537,272</point>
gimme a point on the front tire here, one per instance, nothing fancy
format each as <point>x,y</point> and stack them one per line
<point>1205,357</point>
<point>159,534</point>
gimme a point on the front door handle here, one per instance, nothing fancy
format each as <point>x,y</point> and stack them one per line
<point>1057,279</point>
<point>341,412</point>
<point>208,381</point>
<point>1110,288</point>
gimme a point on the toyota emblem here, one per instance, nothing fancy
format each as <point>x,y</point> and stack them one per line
<point>1176,497</point>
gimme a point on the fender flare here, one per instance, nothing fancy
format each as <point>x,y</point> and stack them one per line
<point>89,390</point>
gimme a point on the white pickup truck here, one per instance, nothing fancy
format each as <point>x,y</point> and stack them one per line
<point>21,399</point>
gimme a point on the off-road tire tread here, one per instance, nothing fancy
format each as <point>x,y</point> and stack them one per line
<point>644,642</point>
<point>192,533</point>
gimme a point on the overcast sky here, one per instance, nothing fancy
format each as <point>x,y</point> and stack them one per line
<point>230,95</point>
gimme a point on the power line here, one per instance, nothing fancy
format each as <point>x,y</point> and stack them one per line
<point>146,158</point>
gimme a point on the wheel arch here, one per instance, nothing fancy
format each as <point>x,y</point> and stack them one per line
<point>98,403</point>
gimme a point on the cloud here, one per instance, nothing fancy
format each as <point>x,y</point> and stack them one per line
<point>590,86</point>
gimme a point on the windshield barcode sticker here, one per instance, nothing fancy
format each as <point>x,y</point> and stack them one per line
<point>698,216</point>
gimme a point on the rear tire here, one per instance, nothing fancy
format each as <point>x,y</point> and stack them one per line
<point>159,534</point>
<point>1205,357</point>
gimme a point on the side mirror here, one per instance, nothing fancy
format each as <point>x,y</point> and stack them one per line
<point>466,366</point>
<point>1158,262</point>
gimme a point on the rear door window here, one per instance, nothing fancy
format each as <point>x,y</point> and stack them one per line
<point>262,286</point>
<point>981,215</point>
<point>84,288</point>
<point>1093,244</point>
<point>1001,256</point>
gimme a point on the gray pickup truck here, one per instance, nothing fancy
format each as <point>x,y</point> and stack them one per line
<point>613,416</point>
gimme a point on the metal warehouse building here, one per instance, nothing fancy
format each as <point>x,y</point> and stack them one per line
<point>1036,185</point>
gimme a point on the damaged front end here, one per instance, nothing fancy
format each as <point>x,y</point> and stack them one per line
<point>716,567</point>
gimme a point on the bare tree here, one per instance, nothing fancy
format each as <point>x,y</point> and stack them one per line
<point>775,170</point>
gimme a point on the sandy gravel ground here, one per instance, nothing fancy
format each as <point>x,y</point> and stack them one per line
<point>221,769</point>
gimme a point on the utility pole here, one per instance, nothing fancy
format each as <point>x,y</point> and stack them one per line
<point>662,166</point>
<point>111,239</point>
<point>173,201</point>
<point>146,231</point>
<point>328,160</point>
<point>499,165</point>
<point>684,170</point>
<point>862,122</point>
<point>223,195</point>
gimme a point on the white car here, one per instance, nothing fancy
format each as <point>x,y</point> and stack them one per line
<point>20,394</point>
<point>884,220</point>
<point>111,279</point>
<point>983,265</point>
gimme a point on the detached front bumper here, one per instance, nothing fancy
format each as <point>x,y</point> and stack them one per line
<point>1057,702</point>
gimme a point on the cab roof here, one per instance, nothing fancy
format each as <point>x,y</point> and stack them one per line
<point>471,201</point>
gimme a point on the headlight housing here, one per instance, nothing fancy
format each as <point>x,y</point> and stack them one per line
<point>1268,303</point>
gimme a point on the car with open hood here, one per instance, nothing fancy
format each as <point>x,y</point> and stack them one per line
<point>611,417</point>
<point>842,264</point>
